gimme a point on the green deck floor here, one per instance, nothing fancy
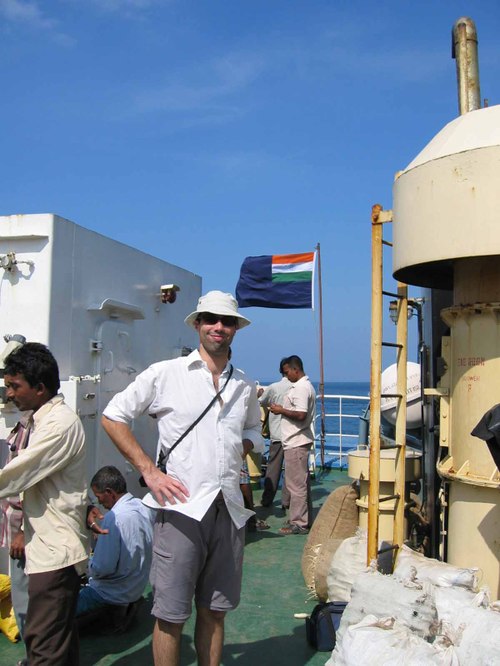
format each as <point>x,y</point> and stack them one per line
<point>261,632</point>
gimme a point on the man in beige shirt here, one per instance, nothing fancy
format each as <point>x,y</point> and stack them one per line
<point>50,473</point>
<point>297,434</point>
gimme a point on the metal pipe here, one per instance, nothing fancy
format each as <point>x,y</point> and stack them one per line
<point>400,435</point>
<point>375,385</point>
<point>321,367</point>
<point>464,51</point>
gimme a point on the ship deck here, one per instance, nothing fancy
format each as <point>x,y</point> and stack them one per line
<point>262,630</point>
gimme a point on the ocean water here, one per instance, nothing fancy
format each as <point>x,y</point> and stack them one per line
<point>354,398</point>
<point>342,419</point>
<point>345,403</point>
<point>346,388</point>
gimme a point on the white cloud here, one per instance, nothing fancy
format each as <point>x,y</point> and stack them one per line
<point>222,88</point>
<point>24,11</point>
<point>246,162</point>
<point>27,13</point>
<point>126,7</point>
<point>209,91</point>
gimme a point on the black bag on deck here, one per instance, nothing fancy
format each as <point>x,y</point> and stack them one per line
<point>321,625</point>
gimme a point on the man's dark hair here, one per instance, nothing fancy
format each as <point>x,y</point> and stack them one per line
<point>283,362</point>
<point>109,477</point>
<point>295,362</point>
<point>37,365</point>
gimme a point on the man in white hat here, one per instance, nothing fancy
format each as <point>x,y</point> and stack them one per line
<point>199,531</point>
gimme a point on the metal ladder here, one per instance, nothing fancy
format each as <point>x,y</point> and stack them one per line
<point>379,218</point>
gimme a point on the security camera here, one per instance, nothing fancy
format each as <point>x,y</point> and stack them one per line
<point>169,293</point>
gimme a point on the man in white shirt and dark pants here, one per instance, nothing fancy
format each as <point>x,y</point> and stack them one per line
<point>275,393</point>
<point>199,531</point>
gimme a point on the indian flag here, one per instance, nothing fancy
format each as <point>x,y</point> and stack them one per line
<point>277,281</point>
<point>293,267</point>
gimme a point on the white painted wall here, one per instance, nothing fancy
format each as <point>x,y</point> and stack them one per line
<point>83,291</point>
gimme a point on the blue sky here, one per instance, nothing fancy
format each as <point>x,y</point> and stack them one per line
<point>204,132</point>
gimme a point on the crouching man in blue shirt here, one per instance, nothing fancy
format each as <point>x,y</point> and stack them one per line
<point>119,568</point>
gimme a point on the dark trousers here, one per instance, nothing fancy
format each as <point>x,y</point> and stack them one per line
<point>19,592</point>
<point>273,473</point>
<point>51,634</point>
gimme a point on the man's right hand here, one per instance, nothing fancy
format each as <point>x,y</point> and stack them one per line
<point>165,487</point>
<point>93,515</point>
<point>17,546</point>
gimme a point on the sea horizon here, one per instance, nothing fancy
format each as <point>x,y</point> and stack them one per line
<point>352,387</point>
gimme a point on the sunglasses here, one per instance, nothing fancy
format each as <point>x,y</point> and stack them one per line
<point>211,319</point>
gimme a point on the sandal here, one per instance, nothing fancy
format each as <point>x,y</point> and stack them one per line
<point>293,529</point>
<point>262,525</point>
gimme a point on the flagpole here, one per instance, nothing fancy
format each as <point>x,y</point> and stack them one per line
<point>321,370</point>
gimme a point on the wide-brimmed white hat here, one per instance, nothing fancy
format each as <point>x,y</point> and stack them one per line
<point>219,303</point>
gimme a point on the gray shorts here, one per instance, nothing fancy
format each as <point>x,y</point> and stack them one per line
<point>193,559</point>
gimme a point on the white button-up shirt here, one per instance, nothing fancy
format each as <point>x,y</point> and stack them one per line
<point>275,393</point>
<point>300,398</point>
<point>209,458</point>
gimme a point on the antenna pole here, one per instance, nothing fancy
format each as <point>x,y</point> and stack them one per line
<point>321,364</point>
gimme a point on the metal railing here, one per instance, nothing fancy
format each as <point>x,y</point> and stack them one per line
<point>344,436</point>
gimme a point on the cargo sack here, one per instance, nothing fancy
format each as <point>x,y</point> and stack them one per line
<point>415,566</point>
<point>337,520</point>
<point>321,625</point>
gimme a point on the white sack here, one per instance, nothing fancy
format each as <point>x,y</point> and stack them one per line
<point>386,642</point>
<point>348,561</point>
<point>450,605</point>
<point>448,599</point>
<point>477,638</point>
<point>415,566</point>
<point>384,596</point>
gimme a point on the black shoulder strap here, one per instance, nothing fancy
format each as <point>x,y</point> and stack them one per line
<point>162,458</point>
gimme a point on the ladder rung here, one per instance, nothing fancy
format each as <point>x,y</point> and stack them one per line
<point>384,242</point>
<point>389,497</point>
<point>391,395</point>
<point>392,344</point>
<point>386,549</point>
<point>390,446</point>
<point>391,293</point>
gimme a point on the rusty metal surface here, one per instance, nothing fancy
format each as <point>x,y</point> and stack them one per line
<point>464,51</point>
